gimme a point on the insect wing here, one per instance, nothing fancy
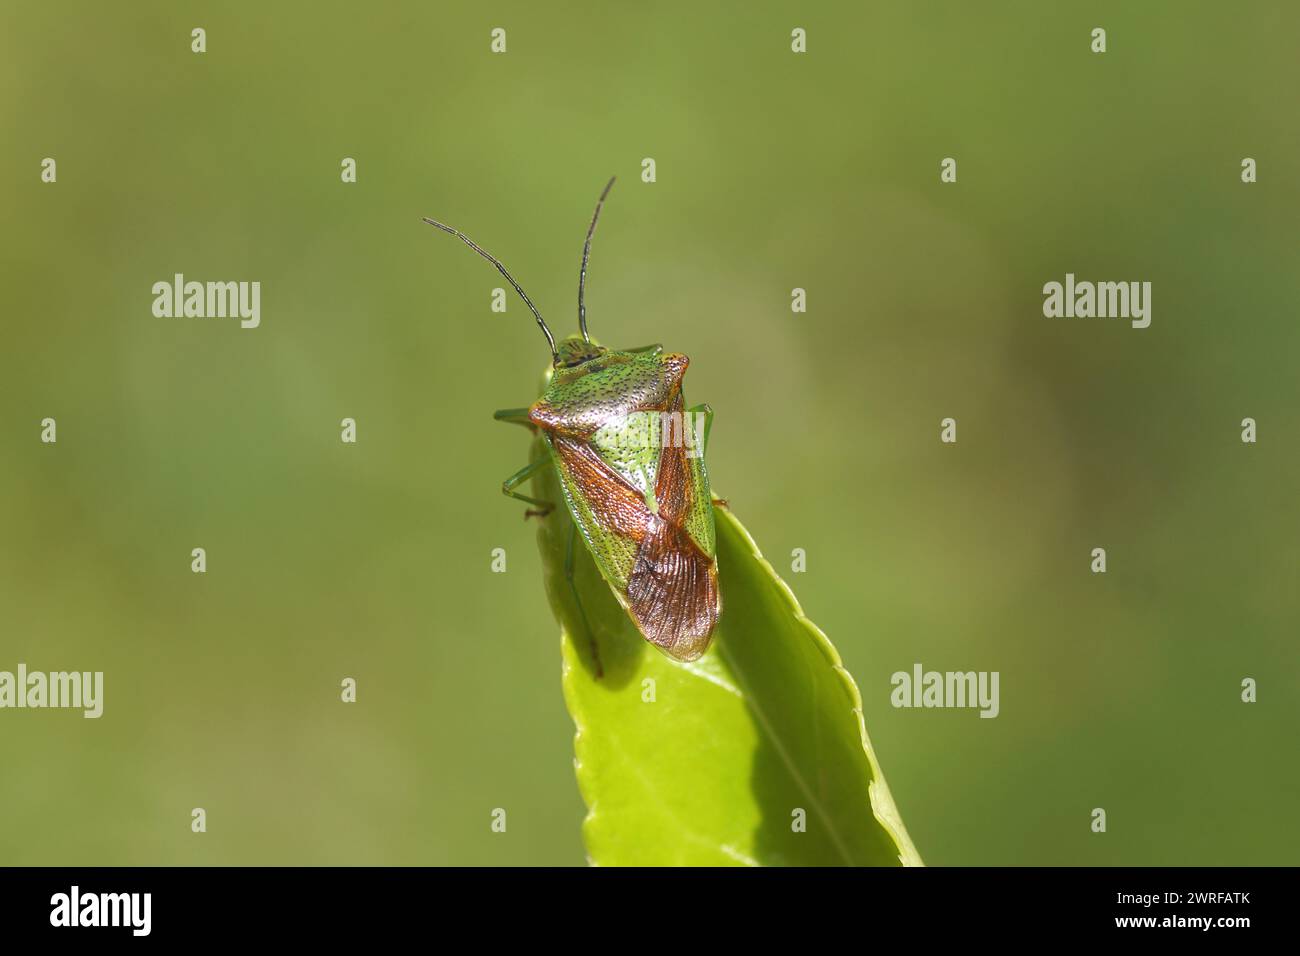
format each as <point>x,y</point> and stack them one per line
<point>673,591</point>
<point>611,516</point>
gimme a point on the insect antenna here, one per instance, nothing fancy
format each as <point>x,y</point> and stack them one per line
<point>586,253</point>
<point>550,339</point>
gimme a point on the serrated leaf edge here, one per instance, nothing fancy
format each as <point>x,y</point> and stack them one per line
<point>883,807</point>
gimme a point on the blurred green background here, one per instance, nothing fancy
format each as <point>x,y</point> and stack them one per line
<point>775,170</point>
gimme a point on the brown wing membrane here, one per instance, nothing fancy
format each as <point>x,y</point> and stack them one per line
<point>673,591</point>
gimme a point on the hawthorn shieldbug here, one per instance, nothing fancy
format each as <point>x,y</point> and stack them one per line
<point>630,461</point>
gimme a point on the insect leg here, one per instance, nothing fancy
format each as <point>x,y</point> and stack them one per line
<point>577,599</point>
<point>513,416</point>
<point>519,477</point>
<point>644,348</point>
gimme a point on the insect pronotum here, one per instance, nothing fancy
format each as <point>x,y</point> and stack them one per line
<point>630,461</point>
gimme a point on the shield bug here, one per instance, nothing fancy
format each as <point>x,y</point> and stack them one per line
<point>630,459</point>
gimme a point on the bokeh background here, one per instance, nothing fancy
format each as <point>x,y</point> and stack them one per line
<point>774,170</point>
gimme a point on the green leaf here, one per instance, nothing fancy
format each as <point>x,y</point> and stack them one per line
<point>708,763</point>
